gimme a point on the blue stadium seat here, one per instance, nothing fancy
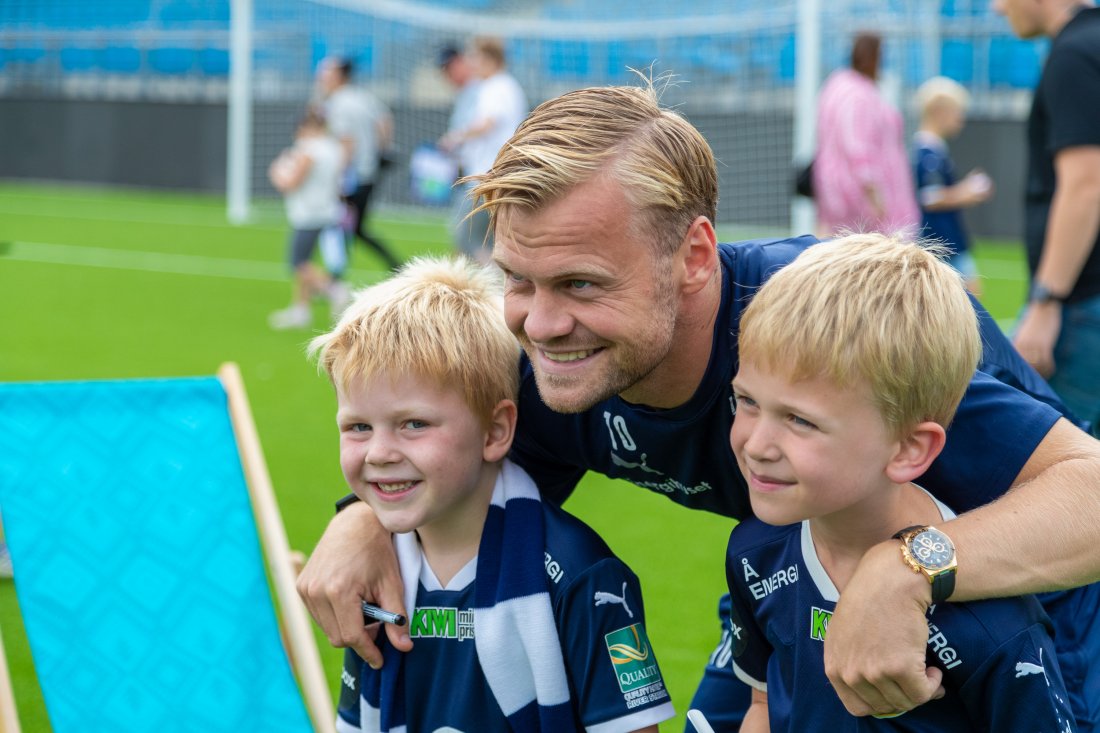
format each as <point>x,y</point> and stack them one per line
<point>566,59</point>
<point>1014,63</point>
<point>120,59</point>
<point>78,59</point>
<point>172,60</point>
<point>957,60</point>
<point>214,61</point>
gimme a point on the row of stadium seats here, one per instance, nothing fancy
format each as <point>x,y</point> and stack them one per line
<point>1007,63</point>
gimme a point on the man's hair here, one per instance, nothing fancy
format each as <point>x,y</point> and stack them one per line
<point>866,53</point>
<point>873,309</point>
<point>665,166</point>
<point>939,89</point>
<point>438,319</point>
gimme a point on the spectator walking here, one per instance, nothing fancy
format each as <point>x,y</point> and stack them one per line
<point>499,106</point>
<point>1059,330</point>
<point>861,173</point>
<point>364,126</point>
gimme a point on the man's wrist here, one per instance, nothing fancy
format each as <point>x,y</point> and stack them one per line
<point>1039,294</point>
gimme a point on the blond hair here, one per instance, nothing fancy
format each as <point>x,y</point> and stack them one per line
<point>439,319</point>
<point>940,89</point>
<point>873,309</point>
<point>665,166</point>
<point>491,48</point>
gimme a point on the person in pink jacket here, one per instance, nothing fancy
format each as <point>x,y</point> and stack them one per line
<point>861,174</point>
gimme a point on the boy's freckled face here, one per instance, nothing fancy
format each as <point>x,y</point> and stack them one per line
<point>414,451</point>
<point>806,448</point>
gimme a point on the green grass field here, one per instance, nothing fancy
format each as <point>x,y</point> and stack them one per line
<point>107,284</point>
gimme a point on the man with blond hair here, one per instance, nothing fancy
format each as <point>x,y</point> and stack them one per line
<point>627,310</point>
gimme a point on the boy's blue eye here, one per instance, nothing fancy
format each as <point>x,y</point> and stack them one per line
<point>745,400</point>
<point>803,422</point>
<point>416,424</point>
<point>359,427</point>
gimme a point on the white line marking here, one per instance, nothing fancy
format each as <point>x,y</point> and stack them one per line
<point>162,262</point>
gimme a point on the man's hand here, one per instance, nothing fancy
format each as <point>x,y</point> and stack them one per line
<point>876,642</point>
<point>1036,335</point>
<point>354,562</point>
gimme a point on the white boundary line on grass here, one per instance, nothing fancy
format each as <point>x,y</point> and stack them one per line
<point>160,262</point>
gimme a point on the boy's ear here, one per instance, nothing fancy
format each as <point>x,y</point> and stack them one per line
<point>501,430</point>
<point>916,451</point>
<point>699,254</point>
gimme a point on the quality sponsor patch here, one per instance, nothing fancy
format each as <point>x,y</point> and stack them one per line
<point>635,666</point>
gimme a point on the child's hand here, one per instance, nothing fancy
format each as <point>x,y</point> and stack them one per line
<point>979,185</point>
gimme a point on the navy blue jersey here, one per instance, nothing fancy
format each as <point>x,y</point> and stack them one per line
<point>684,452</point>
<point>934,170</point>
<point>1001,671</point>
<point>615,682</point>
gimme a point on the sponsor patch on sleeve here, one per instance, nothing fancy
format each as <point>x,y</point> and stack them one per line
<point>635,666</point>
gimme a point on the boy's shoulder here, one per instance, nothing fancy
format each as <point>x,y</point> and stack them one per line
<point>753,536</point>
<point>572,547</point>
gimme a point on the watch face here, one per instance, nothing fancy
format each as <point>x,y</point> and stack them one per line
<point>932,549</point>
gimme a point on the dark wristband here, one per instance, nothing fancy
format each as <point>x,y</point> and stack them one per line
<point>345,502</point>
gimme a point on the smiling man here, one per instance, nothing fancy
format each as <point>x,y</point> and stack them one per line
<point>628,309</point>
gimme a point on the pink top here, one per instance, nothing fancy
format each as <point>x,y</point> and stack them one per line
<point>860,141</point>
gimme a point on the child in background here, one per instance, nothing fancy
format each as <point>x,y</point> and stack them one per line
<point>942,104</point>
<point>308,176</point>
<point>521,616</point>
<point>853,360</point>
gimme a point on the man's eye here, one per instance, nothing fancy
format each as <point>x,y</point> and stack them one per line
<point>579,284</point>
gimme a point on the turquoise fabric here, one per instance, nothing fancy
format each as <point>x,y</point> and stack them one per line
<point>137,561</point>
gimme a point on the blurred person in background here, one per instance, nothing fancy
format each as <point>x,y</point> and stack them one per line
<point>364,126</point>
<point>1059,329</point>
<point>499,107</point>
<point>458,68</point>
<point>942,104</point>
<point>862,178</point>
<point>308,175</point>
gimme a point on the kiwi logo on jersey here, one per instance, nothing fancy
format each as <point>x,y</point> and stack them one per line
<point>442,623</point>
<point>819,622</point>
<point>632,658</point>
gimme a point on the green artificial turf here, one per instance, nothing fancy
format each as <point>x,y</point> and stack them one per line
<point>101,284</point>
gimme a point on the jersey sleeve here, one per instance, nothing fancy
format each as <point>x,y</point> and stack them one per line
<point>347,708</point>
<point>750,649</point>
<point>1019,688</point>
<point>612,666</point>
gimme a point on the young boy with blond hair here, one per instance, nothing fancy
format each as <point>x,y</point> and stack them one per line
<point>942,104</point>
<point>853,360</point>
<point>520,615</point>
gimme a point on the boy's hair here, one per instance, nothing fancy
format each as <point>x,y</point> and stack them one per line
<point>439,319</point>
<point>665,166</point>
<point>939,89</point>
<point>874,309</point>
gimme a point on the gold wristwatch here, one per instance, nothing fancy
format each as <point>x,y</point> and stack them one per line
<point>931,553</point>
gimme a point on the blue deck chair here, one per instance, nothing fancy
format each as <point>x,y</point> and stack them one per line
<point>139,570</point>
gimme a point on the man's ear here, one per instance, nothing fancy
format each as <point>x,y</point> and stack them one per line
<point>501,430</point>
<point>916,451</point>
<point>699,255</point>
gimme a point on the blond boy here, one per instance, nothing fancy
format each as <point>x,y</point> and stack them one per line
<point>942,104</point>
<point>521,617</point>
<point>853,360</point>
